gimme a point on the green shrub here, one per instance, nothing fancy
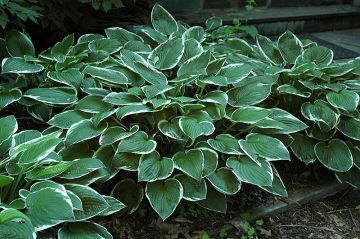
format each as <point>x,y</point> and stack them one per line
<point>189,116</point>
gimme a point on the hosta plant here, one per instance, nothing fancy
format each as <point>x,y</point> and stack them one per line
<point>166,114</point>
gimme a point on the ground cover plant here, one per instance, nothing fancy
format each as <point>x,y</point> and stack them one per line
<point>168,113</point>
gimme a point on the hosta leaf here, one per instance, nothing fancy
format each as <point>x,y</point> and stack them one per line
<point>110,46</point>
<point>153,167</point>
<point>235,73</point>
<point>138,143</point>
<point>320,55</point>
<point>225,181</point>
<point>246,170</point>
<point>93,104</point>
<point>249,114</point>
<point>303,148</point>
<point>196,65</point>
<point>346,100</point>
<point>248,94</point>
<point>68,118</point>
<point>213,23</point>
<point>62,48</point>
<point>335,155</point>
<point>132,110</point>
<point>290,47</point>
<point>167,55</point>
<point>19,44</point>
<point>122,35</point>
<point>9,126</point>
<point>214,80</point>
<point>93,203</point>
<point>196,32</point>
<point>89,37</point>
<point>268,50</point>
<point>82,230</point>
<point>48,207</point>
<point>115,206</point>
<point>210,161</point>
<point>8,97</point>
<point>81,167</point>
<point>226,144</point>
<point>71,77</point>
<point>216,96</point>
<point>277,187</point>
<point>5,180</point>
<point>82,131</point>
<point>19,66</point>
<point>350,128</point>
<point>123,98</point>
<point>47,172</point>
<point>259,145</point>
<point>171,129</point>
<point>164,196</point>
<point>320,111</point>
<point>107,75</point>
<point>193,129</point>
<point>190,162</point>
<point>215,201</point>
<point>351,177</point>
<point>292,90</point>
<point>150,74</point>
<point>162,21</point>
<point>191,48</point>
<point>116,133</point>
<point>130,193</point>
<point>281,122</point>
<point>193,190</point>
<point>15,224</point>
<point>55,95</point>
<point>151,91</point>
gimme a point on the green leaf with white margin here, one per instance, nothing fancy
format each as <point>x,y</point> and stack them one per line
<point>14,224</point>
<point>225,181</point>
<point>162,21</point>
<point>93,104</point>
<point>246,170</point>
<point>277,187</point>
<point>190,162</point>
<point>213,23</point>
<point>351,177</point>
<point>250,94</point>
<point>210,161</point>
<point>93,203</point>
<point>346,100</point>
<point>132,110</point>
<point>355,152</point>
<point>47,172</point>
<point>168,54</point>
<point>215,201</point>
<point>115,206</point>
<point>8,97</point>
<point>107,75</point>
<point>320,55</point>
<point>138,143</point>
<point>110,46</point>
<point>171,129</point>
<point>320,112</point>
<point>196,32</point>
<point>196,65</point>
<point>70,77</point>
<point>123,98</point>
<point>226,144</point>
<point>303,148</point>
<point>235,73</point>
<point>193,189</point>
<point>62,48</point>
<point>259,145</point>
<point>216,96</point>
<point>164,196</point>
<point>19,44</point>
<point>150,74</point>
<point>54,95</point>
<point>130,193</point>
<point>127,161</point>
<point>81,167</point>
<point>153,167</point>
<point>82,230</point>
<point>281,122</point>
<point>290,47</point>
<point>193,129</point>
<point>48,207</point>
<point>268,50</point>
<point>292,90</point>
<point>335,155</point>
<point>66,119</point>
<point>82,131</point>
<point>116,133</point>
<point>191,48</point>
<point>18,65</point>
<point>249,114</point>
<point>122,35</point>
<point>9,126</point>
<point>350,127</point>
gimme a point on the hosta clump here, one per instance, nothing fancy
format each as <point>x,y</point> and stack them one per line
<point>188,117</point>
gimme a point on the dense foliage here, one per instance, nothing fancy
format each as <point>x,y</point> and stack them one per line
<point>174,112</point>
